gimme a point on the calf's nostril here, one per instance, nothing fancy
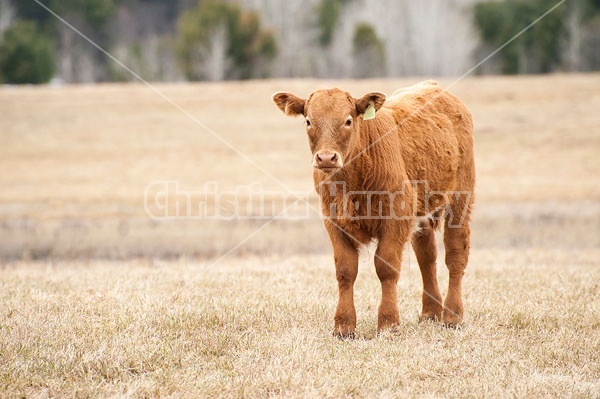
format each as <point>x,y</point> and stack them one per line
<point>333,157</point>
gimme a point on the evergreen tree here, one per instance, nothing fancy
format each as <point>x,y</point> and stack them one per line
<point>26,55</point>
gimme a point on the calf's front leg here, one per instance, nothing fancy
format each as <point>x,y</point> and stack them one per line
<point>346,269</point>
<point>388,259</point>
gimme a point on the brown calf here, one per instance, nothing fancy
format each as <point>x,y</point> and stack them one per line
<point>412,162</point>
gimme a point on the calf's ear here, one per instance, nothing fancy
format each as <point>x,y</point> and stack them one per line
<point>375,98</point>
<point>289,103</point>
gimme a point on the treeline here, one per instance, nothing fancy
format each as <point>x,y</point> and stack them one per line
<point>566,39</point>
<point>244,39</point>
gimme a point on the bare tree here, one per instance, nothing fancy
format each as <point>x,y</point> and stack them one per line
<point>212,60</point>
<point>294,23</point>
<point>7,14</point>
<point>574,26</point>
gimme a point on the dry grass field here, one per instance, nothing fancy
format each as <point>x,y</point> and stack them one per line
<point>99,300</point>
<point>261,327</point>
<point>77,159</point>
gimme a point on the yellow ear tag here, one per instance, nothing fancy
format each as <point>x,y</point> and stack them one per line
<point>370,112</point>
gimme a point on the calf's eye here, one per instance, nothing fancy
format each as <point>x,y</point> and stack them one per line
<point>307,122</point>
<point>349,121</point>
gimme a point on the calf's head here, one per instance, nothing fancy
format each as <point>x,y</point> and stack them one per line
<point>332,119</point>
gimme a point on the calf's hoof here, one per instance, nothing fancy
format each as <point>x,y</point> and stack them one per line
<point>387,322</point>
<point>451,319</point>
<point>345,336</point>
<point>429,316</point>
<point>341,332</point>
<point>432,309</point>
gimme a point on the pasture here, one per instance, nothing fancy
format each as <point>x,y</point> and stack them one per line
<point>98,299</point>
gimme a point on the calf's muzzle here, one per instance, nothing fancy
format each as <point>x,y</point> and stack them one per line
<point>327,160</point>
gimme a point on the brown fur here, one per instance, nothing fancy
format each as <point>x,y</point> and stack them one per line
<point>419,144</point>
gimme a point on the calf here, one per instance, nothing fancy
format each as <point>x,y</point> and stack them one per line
<point>379,166</point>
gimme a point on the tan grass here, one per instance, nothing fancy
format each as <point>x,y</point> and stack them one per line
<point>77,159</point>
<point>537,138</point>
<point>257,327</point>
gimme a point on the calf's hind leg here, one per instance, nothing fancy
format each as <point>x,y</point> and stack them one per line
<point>423,242</point>
<point>457,243</point>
